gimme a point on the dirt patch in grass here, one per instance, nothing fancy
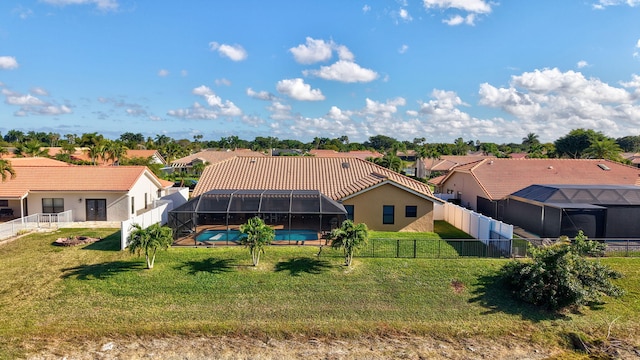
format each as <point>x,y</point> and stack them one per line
<point>457,286</point>
<point>222,347</point>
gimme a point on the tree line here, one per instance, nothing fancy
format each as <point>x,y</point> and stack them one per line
<point>578,143</point>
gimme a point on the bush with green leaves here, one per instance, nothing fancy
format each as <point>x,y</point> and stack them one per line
<point>558,277</point>
<point>585,247</point>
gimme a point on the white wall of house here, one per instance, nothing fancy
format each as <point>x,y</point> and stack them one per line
<point>142,195</point>
<point>76,201</point>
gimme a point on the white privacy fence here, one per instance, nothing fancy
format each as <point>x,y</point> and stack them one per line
<point>477,225</point>
<point>35,221</point>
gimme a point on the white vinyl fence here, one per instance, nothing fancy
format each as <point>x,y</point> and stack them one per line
<point>33,222</point>
<point>477,225</point>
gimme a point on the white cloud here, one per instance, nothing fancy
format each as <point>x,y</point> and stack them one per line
<point>336,113</point>
<point>344,71</point>
<point>233,52</point>
<point>471,6</point>
<point>163,73</point>
<point>403,49</point>
<point>105,5</point>
<point>366,9</point>
<point>314,50</point>
<point>260,95</point>
<point>217,107</point>
<point>383,110</point>
<point>298,90</point>
<point>279,111</point>
<point>184,73</point>
<point>457,20</point>
<point>638,44</point>
<point>344,53</point>
<point>8,63</point>
<point>39,91</point>
<point>602,4</point>
<point>222,82</point>
<point>550,102</point>
<point>32,105</point>
<point>581,64</point>
<point>404,15</point>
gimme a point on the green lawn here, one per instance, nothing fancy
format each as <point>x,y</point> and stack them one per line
<point>97,290</point>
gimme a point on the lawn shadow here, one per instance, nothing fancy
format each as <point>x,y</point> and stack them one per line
<point>214,266</point>
<point>296,266</point>
<point>109,243</point>
<point>100,271</point>
<point>493,294</point>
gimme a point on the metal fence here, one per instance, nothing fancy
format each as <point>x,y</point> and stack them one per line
<point>32,222</point>
<point>614,247</point>
<point>437,248</point>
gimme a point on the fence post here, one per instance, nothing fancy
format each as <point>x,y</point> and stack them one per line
<point>439,243</point>
<point>415,248</point>
<point>397,248</point>
<point>627,247</point>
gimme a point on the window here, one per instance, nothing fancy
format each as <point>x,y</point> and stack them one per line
<point>4,203</point>
<point>411,211</point>
<point>349,209</point>
<point>388,214</point>
<point>52,205</point>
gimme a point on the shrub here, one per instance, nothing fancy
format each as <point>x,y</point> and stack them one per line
<point>559,277</point>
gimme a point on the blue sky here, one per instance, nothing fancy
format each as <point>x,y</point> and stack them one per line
<point>438,69</point>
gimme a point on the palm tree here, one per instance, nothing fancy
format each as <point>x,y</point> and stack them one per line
<point>6,170</point>
<point>258,235</point>
<point>149,240</point>
<point>115,150</point>
<point>96,151</point>
<point>350,238</point>
<point>603,149</point>
<point>32,148</point>
<point>530,140</point>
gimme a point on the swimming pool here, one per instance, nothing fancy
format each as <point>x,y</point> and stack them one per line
<point>235,235</point>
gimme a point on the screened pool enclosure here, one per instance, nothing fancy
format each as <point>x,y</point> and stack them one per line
<point>284,210</point>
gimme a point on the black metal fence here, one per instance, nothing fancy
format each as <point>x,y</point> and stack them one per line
<point>437,249</point>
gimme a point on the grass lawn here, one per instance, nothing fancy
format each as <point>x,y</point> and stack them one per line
<point>97,290</point>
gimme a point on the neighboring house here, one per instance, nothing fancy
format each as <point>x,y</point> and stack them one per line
<point>445,163</point>
<point>153,155</point>
<point>210,156</point>
<point>480,186</point>
<point>94,193</point>
<point>600,211</point>
<point>370,194</point>
<point>78,154</point>
<point>633,157</point>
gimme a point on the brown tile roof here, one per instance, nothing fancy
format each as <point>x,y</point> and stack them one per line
<point>361,154</point>
<point>143,154</point>
<point>448,162</point>
<point>502,177</point>
<point>80,153</point>
<point>214,156</point>
<point>74,178</point>
<point>36,161</point>
<point>334,177</point>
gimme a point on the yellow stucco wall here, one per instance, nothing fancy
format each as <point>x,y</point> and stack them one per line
<point>368,209</point>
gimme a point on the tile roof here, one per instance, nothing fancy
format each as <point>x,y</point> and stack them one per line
<point>334,177</point>
<point>448,162</point>
<point>361,154</point>
<point>501,177</point>
<point>74,178</point>
<point>36,161</point>
<point>143,154</point>
<point>214,156</point>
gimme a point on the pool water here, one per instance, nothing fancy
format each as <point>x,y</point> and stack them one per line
<point>235,235</point>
